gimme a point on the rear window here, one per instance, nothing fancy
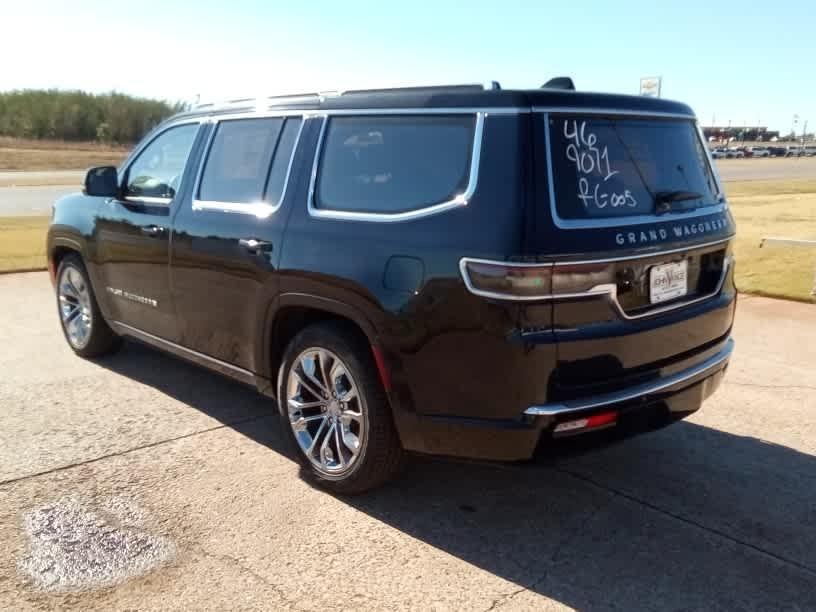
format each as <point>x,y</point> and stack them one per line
<point>393,164</point>
<point>613,167</point>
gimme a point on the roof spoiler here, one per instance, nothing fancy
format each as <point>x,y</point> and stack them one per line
<point>562,82</point>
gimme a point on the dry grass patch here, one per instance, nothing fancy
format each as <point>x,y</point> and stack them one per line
<point>784,209</point>
<point>18,154</point>
<point>22,243</point>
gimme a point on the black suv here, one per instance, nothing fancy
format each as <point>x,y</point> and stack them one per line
<point>455,270</point>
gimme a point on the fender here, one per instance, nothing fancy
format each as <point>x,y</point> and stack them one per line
<point>263,356</point>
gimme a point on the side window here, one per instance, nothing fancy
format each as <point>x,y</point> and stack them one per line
<point>394,164</point>
<point>157,171</point>
<point>282,160</point>
<point>238,163</point>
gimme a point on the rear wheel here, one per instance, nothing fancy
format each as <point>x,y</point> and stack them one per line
<point>87,333</point>
<point>335,410</point>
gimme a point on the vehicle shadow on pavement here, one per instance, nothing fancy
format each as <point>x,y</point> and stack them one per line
<point>684,517</point>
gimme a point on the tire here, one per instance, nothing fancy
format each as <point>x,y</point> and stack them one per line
<point>82,323</point>
<point>329,425</point>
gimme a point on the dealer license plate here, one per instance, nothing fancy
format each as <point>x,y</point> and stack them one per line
<point>668,281</point>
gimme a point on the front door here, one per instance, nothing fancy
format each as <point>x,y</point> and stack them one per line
<point>134,232</point>
<point>227,237</point>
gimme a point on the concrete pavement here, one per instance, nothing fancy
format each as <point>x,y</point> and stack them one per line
<point>139,481</point>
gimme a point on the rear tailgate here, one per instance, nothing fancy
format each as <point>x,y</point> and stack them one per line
<point>631,212</point>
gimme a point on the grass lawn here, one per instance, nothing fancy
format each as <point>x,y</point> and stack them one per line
<point>785,209</point>
<point>761,208</point>
<point>22,243</point>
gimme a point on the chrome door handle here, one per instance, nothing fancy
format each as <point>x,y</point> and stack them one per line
<point>152,230</point>
<point>255,246</point>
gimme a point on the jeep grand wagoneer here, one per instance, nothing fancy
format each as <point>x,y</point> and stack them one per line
<point>456,270</point>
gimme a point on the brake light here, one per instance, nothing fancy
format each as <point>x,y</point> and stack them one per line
<point>530,281</point>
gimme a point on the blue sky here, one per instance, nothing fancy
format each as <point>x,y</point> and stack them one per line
<point>746,62</point>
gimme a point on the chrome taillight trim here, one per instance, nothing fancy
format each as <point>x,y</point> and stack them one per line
<point>609,291</point>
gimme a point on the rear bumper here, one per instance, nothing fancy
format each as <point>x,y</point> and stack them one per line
<point>643,392</point>
<point>668,398</point>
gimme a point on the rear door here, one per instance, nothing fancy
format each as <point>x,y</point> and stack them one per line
<point>631,211</point>
<point>228,237</point>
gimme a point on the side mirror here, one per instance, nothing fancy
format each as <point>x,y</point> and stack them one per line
<point>102,181</point>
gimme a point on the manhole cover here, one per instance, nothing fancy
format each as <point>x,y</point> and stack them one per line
<point>76,546</point>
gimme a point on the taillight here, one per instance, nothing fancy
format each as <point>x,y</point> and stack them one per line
<point>529,281</point>
<point>506,280</point>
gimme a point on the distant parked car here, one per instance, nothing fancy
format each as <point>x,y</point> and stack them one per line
<point>718,154</point>
<point>810,151</point>
<point>734,153</point>
<point>759,152</point>
<point>796,152</point>
<point>778,151</point>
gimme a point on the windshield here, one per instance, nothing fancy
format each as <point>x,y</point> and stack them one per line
<point>613,167</point>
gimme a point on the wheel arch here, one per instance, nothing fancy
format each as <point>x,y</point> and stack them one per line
<point>291,312</point>
<point>58,248</point>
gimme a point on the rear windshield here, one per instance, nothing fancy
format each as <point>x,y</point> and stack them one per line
<point>613,167</point>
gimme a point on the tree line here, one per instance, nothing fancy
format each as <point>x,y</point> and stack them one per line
<point>80,116</point>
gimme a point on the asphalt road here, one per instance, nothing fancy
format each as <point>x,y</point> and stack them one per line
<point>34,192</point>
<point>141,482</point>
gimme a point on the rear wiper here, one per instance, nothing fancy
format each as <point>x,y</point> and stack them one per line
<point>664,200</point>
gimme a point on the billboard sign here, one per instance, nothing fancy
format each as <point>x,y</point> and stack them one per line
<point>650,86</point>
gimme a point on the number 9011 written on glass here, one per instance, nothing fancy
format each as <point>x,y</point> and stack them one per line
<point>593,167</point>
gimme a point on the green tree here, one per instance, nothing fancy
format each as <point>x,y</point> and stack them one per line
<point>80,116</point>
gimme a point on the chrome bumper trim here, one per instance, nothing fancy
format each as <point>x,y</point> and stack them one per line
<point>701,370</point>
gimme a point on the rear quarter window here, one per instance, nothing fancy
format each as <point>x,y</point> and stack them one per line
<point>393,164</point>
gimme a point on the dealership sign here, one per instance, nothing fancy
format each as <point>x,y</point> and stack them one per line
<point>650,86</point>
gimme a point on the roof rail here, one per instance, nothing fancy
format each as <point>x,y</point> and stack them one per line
<point>281,99</point>
<point>321,95</point>
<point>425,88</point>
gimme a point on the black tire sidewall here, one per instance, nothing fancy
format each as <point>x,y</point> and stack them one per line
<point>102,339</point>
<point>356,356</point>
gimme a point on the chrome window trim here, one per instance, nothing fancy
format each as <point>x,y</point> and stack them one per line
<point>149,200</point>
<point>704,369</point>
<point>261,209</point>
<point>562,223</point>
<point>459,200</point>
<point>609,291</point>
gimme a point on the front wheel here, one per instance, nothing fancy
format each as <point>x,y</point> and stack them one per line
<point>335,410</point>
<point>86,331</point>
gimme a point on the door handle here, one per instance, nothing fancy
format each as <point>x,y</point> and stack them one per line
<point>154,231</point>
<point>255,246</point>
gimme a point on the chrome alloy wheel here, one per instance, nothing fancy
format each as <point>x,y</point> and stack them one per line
<point>75,307</point>
<point>327,415</point>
